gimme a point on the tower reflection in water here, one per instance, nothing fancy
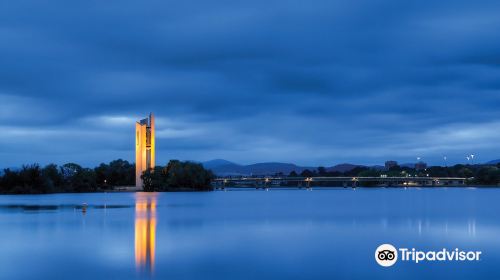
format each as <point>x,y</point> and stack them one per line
<point>145,232</point>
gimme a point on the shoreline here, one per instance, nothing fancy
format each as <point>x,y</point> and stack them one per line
<point>231,188</point>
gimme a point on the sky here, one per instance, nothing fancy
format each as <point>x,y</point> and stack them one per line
<point>308,82</point>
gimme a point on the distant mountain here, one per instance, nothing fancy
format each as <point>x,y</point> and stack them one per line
<point>223,167</point>
<point>266,168</point>
<point>216,163</point>
<point>269,168</point>
<point>378,167</point>
<point>344,167</point>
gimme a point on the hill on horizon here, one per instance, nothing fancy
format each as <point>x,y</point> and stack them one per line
<point>223,167</point>
<point>216,163</point>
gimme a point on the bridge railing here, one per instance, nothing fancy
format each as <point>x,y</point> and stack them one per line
<point>352,181</point>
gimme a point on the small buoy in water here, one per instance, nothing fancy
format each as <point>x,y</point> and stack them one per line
<point>84,208</point>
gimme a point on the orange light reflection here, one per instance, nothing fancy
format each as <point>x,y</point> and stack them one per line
<point>145,231</point>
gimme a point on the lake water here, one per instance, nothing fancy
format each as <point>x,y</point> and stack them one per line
<point>247,234</point>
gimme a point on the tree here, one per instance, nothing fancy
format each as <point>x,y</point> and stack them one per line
<point>78,179</point>
<point>488,176</point>
<point>322,171</point>
<point>84,181</point>
<point>369,173</point>
<point>153,180</point>
<point>356,170</point>
<point>465,172</point>
<point>438,171</point>
<point>9,180</point>
<point>177,176</point>
<point>116,173</point>
<point>101,174</point>
<point>52,179</point>
<point>30,180</point>
<point>307,173</point>
<point>68,170</point>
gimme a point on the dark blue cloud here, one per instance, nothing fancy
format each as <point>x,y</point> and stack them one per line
<point>317,82</point>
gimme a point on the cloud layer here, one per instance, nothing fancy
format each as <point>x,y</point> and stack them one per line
<point>315,82</point>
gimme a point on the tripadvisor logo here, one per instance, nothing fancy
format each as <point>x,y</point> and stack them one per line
<point>387,255</point>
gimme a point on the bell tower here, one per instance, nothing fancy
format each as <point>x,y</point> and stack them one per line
<point>144,147</point>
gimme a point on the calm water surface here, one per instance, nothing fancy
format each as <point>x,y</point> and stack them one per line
<point>277,234</point>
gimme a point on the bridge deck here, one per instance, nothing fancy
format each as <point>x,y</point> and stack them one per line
<point>353,181</point>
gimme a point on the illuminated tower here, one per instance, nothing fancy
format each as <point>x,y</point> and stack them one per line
<point>144,147</point>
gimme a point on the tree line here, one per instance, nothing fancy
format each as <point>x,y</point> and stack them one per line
<point>71,177</point>
<point>178,176</point>
<point>477,174</point>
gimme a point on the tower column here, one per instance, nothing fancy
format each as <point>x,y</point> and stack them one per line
<point>144,148</point>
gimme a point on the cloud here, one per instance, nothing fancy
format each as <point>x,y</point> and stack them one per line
<point>314,83</point>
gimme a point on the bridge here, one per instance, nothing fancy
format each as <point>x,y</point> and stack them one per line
<point>308,182</point>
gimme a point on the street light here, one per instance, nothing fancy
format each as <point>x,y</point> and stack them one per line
<point>308,180</point>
